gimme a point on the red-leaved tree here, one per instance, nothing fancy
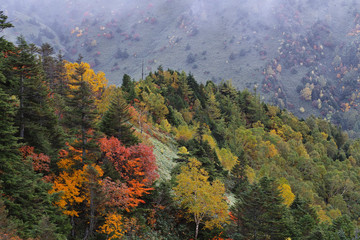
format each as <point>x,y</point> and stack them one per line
<point>136,166</point>
<point>40,162</point>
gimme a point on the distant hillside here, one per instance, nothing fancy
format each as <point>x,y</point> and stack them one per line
<point>300,55</point>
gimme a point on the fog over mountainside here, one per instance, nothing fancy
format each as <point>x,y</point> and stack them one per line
<point>300,55</point>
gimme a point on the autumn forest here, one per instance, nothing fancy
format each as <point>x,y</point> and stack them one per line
<point>162,157</point>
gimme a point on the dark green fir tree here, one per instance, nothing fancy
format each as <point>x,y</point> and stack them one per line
<point>115,121</point>
<point>128,86</point>
<point>304,219</point>
<point>36,120</point>
<point>80,117</point>
<point>260,214</point>
<point>23,191</point>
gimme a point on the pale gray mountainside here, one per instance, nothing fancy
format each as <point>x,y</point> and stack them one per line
<point>302,55</point>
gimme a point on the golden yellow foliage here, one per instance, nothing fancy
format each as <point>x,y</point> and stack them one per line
<point>287,194</point>
<point>210,140</point>
<point>334,213</point>
<point>250,174</point>
<point>185,133</point>
<point>227,159</point>
<point>70,187</point>
<point>113,226</point>
<point>165,125</point>
<point>275,136</point>
<point>202,199</point>
<point>73,189</point>
<point>171,79</point>
<point>324,135</point>
<point>106,97</point>
<point>323,218</point>
<point>97,81</point>
<point>73,183</point>
<point>66,162</point>
<point>183,150</point>
<point>272,151</point>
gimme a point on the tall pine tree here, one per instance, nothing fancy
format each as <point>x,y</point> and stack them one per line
<point>304,219</point>
<point>115,121</point>
<point>81,113</point>
<point>128,86</point>
<point>22,190</point>
<point>36,120</point>
<point>259,212</point>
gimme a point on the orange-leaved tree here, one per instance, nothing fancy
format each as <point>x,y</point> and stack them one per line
<point>77,183</point>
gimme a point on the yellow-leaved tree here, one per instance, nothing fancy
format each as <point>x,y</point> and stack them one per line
<point>227,158</point>
<point>185,133</point>
<point>202,199</point>
<point>286,194</point>
<point>97,81</point>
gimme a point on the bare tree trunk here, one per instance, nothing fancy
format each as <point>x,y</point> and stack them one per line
<point>196,230</point>
<point>86,234</point>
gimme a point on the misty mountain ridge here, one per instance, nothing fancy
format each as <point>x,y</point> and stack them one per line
<point>300,55</point>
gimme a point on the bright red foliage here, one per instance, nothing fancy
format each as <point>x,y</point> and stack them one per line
<point>137,168</point>
<point>40,162</point>
<point>122,195</point>
<point>133,163</point>
<point>147,160</point>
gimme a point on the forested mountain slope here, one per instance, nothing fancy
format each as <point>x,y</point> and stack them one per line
<point>164,157</point>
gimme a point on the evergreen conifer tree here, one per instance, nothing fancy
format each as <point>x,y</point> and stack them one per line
<point>128,86</point>
<point>23,191</point>
<point>115,121</point>
<point>81,114</point>
<point>3,22</point>
<point>304,218</point>
<point>260,213</point>
<point>36,120</point>
<point>48,63</point>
